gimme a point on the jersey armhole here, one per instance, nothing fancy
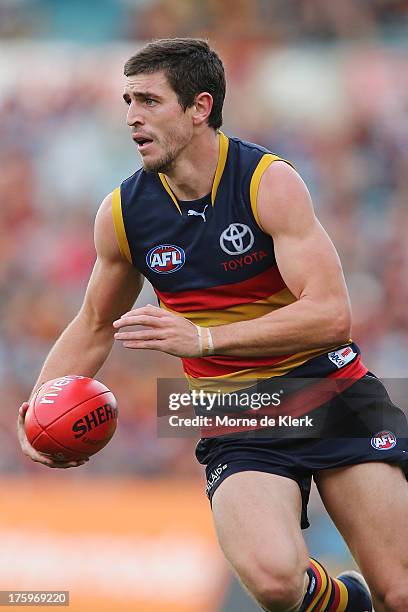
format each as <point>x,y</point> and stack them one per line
<point>119,225</point>
<point>264,163</point>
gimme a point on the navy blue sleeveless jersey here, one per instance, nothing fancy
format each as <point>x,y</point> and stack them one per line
<point>210,261</point>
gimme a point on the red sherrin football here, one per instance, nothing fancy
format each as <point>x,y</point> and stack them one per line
<point>71,417</point>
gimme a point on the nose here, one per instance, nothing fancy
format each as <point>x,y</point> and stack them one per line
<point>134,116</point>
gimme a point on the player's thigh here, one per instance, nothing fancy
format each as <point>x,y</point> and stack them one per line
<point>257,519</point>
<point>368,503</point>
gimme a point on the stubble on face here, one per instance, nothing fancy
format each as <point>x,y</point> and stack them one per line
<point>173,144</point>
<point>162,165</point>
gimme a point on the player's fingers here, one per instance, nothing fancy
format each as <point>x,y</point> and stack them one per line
<point>23,409</point>
<point>20,421</point>
<point>153,345</point>
<point>142,319</point>
<point>147,317</point>
<point>51,462</point>
<point>155,311</point>
<point>67,464</point>
<point>34,455</point>
<point>145,334</point>
<point>29,451</point>
<point>21,429</point>
<point>149,309</point>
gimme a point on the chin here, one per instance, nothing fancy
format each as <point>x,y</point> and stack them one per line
<point>153,167</point>
<point>158,165</point>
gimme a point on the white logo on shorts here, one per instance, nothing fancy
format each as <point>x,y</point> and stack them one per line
<point>215,476</point>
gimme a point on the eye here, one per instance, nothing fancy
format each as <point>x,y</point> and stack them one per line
<point>151,102</point>
<point>127,101</point>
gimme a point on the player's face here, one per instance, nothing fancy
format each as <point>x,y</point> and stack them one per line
<point>160,127</point>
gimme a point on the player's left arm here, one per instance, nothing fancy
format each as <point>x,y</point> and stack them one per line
<point>311,269</point>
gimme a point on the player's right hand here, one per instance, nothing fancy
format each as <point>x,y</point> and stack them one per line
<point>33,454</point>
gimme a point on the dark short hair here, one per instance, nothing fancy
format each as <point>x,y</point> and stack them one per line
<point>191,67</point>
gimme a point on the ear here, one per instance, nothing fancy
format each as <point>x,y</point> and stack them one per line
<point>202,108</point>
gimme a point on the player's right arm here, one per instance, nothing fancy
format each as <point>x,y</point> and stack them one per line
<point>87,341</point>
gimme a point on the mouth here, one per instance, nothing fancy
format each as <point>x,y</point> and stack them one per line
<point>142,142</point>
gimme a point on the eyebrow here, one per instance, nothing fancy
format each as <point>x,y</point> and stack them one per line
<point>141,95</point>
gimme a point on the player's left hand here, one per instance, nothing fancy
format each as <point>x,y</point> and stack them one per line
<point>159,330</point>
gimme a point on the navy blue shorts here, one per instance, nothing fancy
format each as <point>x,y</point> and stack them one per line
<point>300,459</point>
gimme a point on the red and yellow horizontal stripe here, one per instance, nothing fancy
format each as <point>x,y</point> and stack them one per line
<point>246,368</point>
<point>223,304</point>
<point>262,286</point>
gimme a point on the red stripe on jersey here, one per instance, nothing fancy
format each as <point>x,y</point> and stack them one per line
<point>222,296</point>
<point>222,365</point>
<point>301,402</point>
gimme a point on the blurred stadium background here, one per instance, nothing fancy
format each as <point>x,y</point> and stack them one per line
<point>324,84</point>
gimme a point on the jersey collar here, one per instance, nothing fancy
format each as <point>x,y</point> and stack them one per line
<point>222,159</point>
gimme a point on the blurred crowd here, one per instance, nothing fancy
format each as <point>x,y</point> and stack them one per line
<point>64,146</point>
<point>272,21</point>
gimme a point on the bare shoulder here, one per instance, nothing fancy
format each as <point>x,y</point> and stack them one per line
<point>284,203</point>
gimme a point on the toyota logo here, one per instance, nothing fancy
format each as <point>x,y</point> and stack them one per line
<point>236,239</point>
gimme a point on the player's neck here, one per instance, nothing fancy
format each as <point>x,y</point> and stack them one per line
<point>193,175</point>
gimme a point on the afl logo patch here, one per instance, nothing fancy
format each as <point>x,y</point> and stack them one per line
<point>383,440</point>
<point>165,258</point>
